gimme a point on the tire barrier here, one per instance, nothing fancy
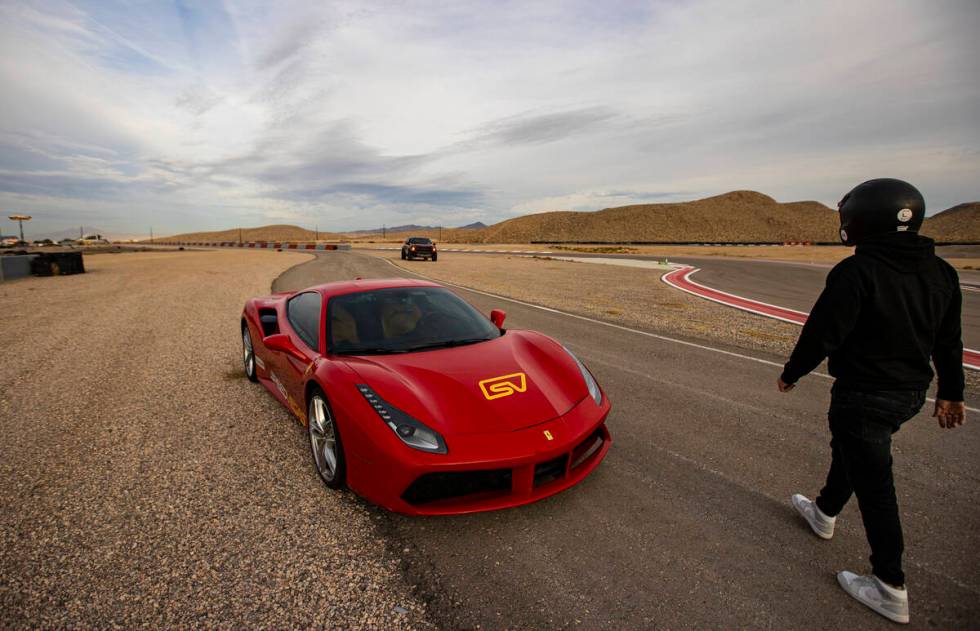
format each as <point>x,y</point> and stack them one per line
<point>58,264</point>
<point>259,245</point>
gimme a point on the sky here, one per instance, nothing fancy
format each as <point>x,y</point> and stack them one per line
<point>184,116</point>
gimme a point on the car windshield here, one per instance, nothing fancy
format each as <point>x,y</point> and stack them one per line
<point>419,241</point>
<point>403,320</point>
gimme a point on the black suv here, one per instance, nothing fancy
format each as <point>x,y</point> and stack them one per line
<point>419,247</point>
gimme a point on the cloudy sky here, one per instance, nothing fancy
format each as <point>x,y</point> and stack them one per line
<point>207,115</point>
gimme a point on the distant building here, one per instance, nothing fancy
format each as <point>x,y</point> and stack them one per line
<point>93,239</point>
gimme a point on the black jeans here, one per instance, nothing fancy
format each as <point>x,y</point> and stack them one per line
<point>861,427</point>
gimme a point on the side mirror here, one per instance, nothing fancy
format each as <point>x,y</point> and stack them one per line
<point>281,343</point>
<point>497,317</point>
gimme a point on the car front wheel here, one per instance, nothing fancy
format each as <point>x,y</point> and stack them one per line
<point>248,354</point>
<point>328,454</point>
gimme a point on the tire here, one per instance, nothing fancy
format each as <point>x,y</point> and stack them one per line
<point>435,257</point>
<point>248,354</point>
<point>329,463</point>
<point>403,255</point>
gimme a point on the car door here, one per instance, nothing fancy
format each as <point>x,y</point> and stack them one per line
<point>304,318</point>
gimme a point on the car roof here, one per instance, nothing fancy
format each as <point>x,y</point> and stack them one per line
<point>369,284</point>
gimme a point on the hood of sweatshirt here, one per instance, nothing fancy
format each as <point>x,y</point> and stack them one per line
<point>906,252</point>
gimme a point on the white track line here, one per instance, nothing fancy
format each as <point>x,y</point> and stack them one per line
<point>664,338</point>
<point>722,302</point>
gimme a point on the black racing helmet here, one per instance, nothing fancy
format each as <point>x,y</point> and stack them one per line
<point>879,206</point>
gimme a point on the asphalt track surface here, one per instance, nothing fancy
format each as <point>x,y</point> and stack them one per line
<point>687,523</point>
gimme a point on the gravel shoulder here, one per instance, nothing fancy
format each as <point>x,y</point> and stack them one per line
<point>145,482</point>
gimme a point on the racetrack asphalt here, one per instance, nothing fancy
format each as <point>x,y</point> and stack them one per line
<point>797,285</point>
<point>687,523</point>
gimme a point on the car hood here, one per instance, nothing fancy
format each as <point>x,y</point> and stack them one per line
<point>443,389</point>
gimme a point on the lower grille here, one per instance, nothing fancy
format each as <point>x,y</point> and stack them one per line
<point>433,487</point>
<point>487,484</point>
<point>551,470</point>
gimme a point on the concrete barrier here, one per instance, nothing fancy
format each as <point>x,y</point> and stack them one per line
<point>15,266</point>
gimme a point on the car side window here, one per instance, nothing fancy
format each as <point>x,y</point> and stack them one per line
<point>303,312</point>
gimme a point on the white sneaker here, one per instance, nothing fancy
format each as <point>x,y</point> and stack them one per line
<point>891,602</point>
<point>821,525</point>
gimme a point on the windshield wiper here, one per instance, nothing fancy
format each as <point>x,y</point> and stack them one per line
<point>448,344</point>
<point>370,351</point>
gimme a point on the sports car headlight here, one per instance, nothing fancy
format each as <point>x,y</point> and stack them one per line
<point>590,381</point>
<point>412,432</point>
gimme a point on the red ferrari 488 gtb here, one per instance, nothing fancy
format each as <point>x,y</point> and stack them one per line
<point>419,403</point>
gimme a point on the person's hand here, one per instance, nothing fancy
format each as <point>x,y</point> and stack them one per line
<point>950,413</point>
<point>783,386</point>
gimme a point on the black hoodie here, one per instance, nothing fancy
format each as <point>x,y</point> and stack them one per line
<point>884,312</point>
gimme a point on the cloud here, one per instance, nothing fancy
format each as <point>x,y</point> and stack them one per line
<point>349,114</point>
<point>540,128</point>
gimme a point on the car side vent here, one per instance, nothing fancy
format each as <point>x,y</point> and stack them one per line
<point>270,322</point>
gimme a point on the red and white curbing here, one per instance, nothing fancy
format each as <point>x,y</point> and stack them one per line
<point>681,279</point>
<point>261,245</point>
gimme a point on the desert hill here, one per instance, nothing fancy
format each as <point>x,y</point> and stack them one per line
<point>739,216</point>
<point>411,228</point>
<point>263,233</point>
<point>957,224</point>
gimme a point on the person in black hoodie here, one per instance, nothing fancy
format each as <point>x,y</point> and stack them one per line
<point>884,313</point>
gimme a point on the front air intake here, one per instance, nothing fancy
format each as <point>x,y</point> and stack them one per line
<point>433,487</point>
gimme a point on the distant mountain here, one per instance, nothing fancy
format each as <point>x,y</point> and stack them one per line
<point>957,224</point>
<point>69,233</point>
<point>412,227</point>
<point>263,233</point>
<point>405,228</point>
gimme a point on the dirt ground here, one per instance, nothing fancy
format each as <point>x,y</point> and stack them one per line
<point>145,482</point>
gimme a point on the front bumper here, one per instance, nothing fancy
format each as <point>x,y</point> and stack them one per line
<point>485,472</point>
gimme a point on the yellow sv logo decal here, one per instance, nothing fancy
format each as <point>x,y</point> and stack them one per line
<point>504,386</point>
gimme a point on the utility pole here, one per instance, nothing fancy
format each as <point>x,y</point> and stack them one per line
<point>151,235</point>
<point>316,231</point>
<point>239,235</point>
<point>20,219</point>
<point>440,233</point>
<point>384,231</point>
